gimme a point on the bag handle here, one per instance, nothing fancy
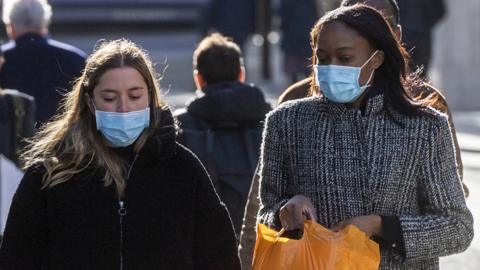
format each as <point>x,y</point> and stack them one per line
<point>279,234</point>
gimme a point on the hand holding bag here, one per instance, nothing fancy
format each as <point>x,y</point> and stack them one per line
<point>318,249</point>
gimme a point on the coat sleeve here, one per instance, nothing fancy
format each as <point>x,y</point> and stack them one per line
<point>273,173</point>
<point>446,225</point>
<point>215,244</point>
<point>458,155</point>
<point>26,232</point>
<point>248,234</point>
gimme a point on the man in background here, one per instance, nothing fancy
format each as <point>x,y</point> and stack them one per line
<point>35,64</point>
<point>419,18</point>
<point>223,124</point>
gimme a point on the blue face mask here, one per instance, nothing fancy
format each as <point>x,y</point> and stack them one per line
<point>340,83</point>
<point>122,129</point>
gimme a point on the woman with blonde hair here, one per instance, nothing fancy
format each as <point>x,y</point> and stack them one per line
<point>108,187</point>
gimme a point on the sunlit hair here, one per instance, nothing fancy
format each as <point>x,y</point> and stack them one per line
<point>400,87</point>
<point>70,142</point>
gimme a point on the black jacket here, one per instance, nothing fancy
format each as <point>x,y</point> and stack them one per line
<point>223,127</point>
<point>297,18</point>
<point>232,18</point>
<point>418,17</point>
<point>229,104</point>
<point>173,220</point>
<point>41,67</point>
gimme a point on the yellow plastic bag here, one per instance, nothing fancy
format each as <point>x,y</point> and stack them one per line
<point>319,249</point>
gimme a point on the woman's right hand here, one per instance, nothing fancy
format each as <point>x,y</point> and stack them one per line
<point>296,211</point>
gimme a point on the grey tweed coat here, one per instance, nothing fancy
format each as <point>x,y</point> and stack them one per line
<point>351,164</point>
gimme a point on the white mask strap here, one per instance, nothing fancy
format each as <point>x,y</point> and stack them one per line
<point>368,60</point>
<point>371,74</point>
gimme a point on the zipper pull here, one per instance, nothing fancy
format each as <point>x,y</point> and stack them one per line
<point>121,210</point>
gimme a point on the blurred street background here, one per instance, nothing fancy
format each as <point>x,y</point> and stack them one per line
<point>170,31</point>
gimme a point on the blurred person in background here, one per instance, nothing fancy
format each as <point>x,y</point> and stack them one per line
<point>108,187</point>
<point>17,121</point>
<point>296,19</point>
<point>366,152</point>
<point>36,64</point>
<point>223,124</point>
<point>232,18</point>
<point>419,18</point>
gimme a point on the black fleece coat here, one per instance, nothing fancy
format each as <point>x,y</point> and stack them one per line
<point>173,220</point>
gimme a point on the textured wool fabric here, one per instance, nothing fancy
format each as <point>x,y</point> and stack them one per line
<point>352,163</point>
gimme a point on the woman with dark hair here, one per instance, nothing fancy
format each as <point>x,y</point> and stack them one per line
<point>366,152</point>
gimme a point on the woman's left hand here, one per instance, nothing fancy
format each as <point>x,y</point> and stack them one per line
<point>371,225</point>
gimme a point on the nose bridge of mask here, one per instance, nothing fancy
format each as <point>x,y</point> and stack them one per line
<point>342,73</point>
<point>122,129</point>
<point>339,73</point>
<point>122,120</point>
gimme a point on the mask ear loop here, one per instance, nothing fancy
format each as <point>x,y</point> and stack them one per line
<point>90,100</point>
<point>93,104</point>
<point>367,84</point>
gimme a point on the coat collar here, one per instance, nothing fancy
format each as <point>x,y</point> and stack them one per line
<point>374,105</point>
<point>30,37</point>
<point>161,143</point>
<point>230,104</point>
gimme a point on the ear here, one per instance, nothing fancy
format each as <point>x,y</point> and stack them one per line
<point>378,58</point>
<point>242,75</point>
<point>199,81</point>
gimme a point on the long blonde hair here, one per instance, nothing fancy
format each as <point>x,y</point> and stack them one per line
<point>70,142</point>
